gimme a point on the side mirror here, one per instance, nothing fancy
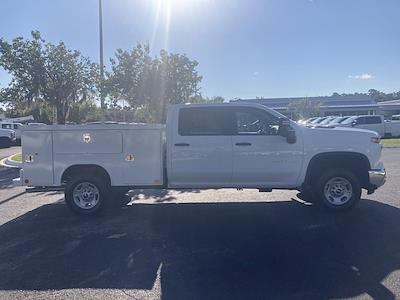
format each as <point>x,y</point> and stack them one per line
<point>354,123</point>
<point>286,131</point>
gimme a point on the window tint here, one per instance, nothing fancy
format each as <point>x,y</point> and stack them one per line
<point>205,121</point>
<point>373,120</point>
<point>361,120</point>
<point>255,122</point>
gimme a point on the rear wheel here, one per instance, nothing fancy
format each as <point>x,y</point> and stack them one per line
<point>338,190</point>
<point>86,195</point>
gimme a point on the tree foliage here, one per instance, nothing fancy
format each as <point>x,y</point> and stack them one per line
<point>149,84</point>
<point>304,109</point>
<point>45,74</point>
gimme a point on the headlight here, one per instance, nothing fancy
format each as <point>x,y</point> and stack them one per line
<point>375,139</point>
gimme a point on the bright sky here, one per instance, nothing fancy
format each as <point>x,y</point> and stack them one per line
<point>245,48</point>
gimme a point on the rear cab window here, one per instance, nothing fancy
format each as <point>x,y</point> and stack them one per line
<point>205,121</point>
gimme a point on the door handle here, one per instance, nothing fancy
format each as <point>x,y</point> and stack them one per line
<point>243,144</point>
<point>182,144</point>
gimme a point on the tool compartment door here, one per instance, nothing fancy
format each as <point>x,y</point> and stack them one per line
<point>143,157</point>
<point>37,158</point>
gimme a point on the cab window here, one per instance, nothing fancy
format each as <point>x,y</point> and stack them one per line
<point>6,126</point>
<point>204,121</point>
<point>251,121</point>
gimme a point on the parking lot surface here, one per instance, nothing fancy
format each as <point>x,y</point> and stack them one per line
<point>199,244</point>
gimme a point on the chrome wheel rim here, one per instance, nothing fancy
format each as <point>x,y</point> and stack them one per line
<point>338,191</point>
<point>86,195</point>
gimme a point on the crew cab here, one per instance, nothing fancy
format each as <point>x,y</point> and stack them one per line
<point>7,138</point>
<point>235,145</point>
<point>375,123</point>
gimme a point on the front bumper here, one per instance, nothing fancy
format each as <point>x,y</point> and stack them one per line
<point>377,178</point>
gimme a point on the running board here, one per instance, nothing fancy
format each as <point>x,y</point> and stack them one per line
<point>45,189</point>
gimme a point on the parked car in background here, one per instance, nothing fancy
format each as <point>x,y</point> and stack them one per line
<point>13,126</point>
<point>327,121</point>
<point>338,120</point>
<point>396,118</point>
<point>7,138</point>
<point>375,123</point>
<point>316,121</point>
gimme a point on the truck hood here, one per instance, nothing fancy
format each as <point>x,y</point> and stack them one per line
<point>341,139</point>
<point>344,129</point>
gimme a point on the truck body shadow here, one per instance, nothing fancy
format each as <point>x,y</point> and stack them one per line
<point>274,250</point>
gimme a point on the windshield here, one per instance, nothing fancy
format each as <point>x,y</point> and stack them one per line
<point>349,120</point>
<point>342,119</point>
<point>320,120</point>
<point>327,121</point>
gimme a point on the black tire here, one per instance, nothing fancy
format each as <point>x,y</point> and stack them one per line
<point>93,183</point>
<point>345,180</point>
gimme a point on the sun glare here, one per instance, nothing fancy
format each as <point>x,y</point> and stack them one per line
<point>165,10</point>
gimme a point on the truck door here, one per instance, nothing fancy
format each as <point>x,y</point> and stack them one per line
<point>261,157</point>
<point>200,148</point>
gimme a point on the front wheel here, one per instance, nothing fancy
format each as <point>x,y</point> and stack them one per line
<point>338,190</point>
<point>86,195</point>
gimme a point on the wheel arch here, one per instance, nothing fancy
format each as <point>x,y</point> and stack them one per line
<point>356,162</point>
<point>91,169</point>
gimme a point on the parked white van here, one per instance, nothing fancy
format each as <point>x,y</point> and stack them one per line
<point>375,123</point>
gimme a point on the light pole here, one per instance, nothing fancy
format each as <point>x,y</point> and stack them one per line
<point>101,55</point>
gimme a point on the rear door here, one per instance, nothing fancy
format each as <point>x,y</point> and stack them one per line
<point>201,148</point>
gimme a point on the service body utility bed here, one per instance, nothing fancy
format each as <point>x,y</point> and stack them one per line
<point>131,153</point>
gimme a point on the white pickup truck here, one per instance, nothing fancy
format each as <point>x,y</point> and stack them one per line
<point>7,138</point>
<point>375,123</point>
<point>233,145</point>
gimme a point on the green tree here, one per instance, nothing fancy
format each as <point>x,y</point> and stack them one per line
<point>304,109</point>
<point>149,84</point>
<point>47,74</point>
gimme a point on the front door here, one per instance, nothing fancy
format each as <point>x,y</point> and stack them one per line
<point>201,148</point>
<point>261,157</point>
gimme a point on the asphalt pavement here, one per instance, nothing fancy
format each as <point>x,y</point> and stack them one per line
<point>6,152</point>
<point>196,244</point>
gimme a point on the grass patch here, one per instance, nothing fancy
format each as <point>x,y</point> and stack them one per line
<point>17,157</point>
<point>391,142</point>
